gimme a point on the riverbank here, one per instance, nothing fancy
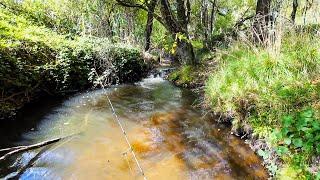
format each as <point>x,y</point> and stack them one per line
<point>270,97</point>
<point>37,61</point>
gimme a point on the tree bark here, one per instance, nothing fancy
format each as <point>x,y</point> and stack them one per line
<point>212,16</point>
<point>204,21</point>
<point>306,8</point>
<point>262,20</point>
<point>184,52</point>
<point>170,21</point>
<point>149,25</point>
<point>294,10</point>
<point>188,11</point>
<point>182,16</point>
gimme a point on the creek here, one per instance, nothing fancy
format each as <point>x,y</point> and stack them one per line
<point>171,138</point>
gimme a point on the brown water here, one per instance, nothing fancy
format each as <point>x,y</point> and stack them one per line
<point>172,139</point>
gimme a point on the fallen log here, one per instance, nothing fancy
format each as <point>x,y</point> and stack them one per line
<point>19,149</point>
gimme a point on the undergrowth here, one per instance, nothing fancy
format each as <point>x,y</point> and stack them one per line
<point>270,91</point>
<point>35,59</point>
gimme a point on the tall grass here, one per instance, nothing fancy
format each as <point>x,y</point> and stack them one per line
<point>259,85</point>
<point>274,85</point>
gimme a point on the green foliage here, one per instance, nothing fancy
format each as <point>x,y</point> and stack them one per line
<point>35,59</point>
<point>183,76</point>
<point>299,140</point>
<point>52,46</point>
<point>300,132</point>
<point>273,85</point>
<point>260,88</point>
<point>128,64</point>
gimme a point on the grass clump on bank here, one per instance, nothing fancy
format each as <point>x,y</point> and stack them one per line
<point>183,76</point>
<point>194,76</point>
<point>35,60</point>
<point>271,92</point>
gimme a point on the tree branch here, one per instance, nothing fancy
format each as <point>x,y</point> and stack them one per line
<point>140,6</point>
<point>2,4</point>
<point>241,21</point>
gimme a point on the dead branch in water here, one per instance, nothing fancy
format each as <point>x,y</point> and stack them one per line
<point>6,150</point>
<point>19,149</point>
<point>30,163</point>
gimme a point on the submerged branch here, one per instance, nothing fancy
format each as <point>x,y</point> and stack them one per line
<point>30,163</point>
<point>19,149</point>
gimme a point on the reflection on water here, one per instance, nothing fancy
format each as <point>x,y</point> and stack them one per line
<point>171,139</point>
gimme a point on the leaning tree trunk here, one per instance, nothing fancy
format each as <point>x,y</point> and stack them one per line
<point>262,20</point>
<point>149,25</point>
<point>184,51</point>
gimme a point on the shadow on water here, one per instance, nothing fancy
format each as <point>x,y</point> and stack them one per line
<point>26,120</point>
<point>171,138</point>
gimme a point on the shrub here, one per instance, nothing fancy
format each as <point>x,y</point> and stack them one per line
<point>36,59</point>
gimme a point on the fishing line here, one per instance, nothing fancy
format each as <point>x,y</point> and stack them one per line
<point>120,125</point>
<point>125,136</point>
<point>123,130</point>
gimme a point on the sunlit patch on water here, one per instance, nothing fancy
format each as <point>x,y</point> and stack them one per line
<point>171,139</point>
<point>151,82</point>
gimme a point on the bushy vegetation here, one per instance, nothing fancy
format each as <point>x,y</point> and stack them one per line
<point>36,59</point>
<point>261,88</point>
<point>298,141</point>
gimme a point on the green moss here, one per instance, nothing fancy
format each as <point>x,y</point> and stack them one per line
<point>185,75</point>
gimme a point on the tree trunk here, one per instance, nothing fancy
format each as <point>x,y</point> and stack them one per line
<point>294,10</point>
<point>184,52</point>
<point>306,8</point>
<point>262,20</point>
<point>188,11</point>
<point>149,25</point>
<point>204,22</point>
<point>212,16</point>
<point>212,20</point>
<point>182,16</point>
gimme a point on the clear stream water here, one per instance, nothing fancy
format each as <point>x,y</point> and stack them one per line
<point>172,139</point>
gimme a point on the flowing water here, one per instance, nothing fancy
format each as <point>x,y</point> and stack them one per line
<point>171,138</point>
